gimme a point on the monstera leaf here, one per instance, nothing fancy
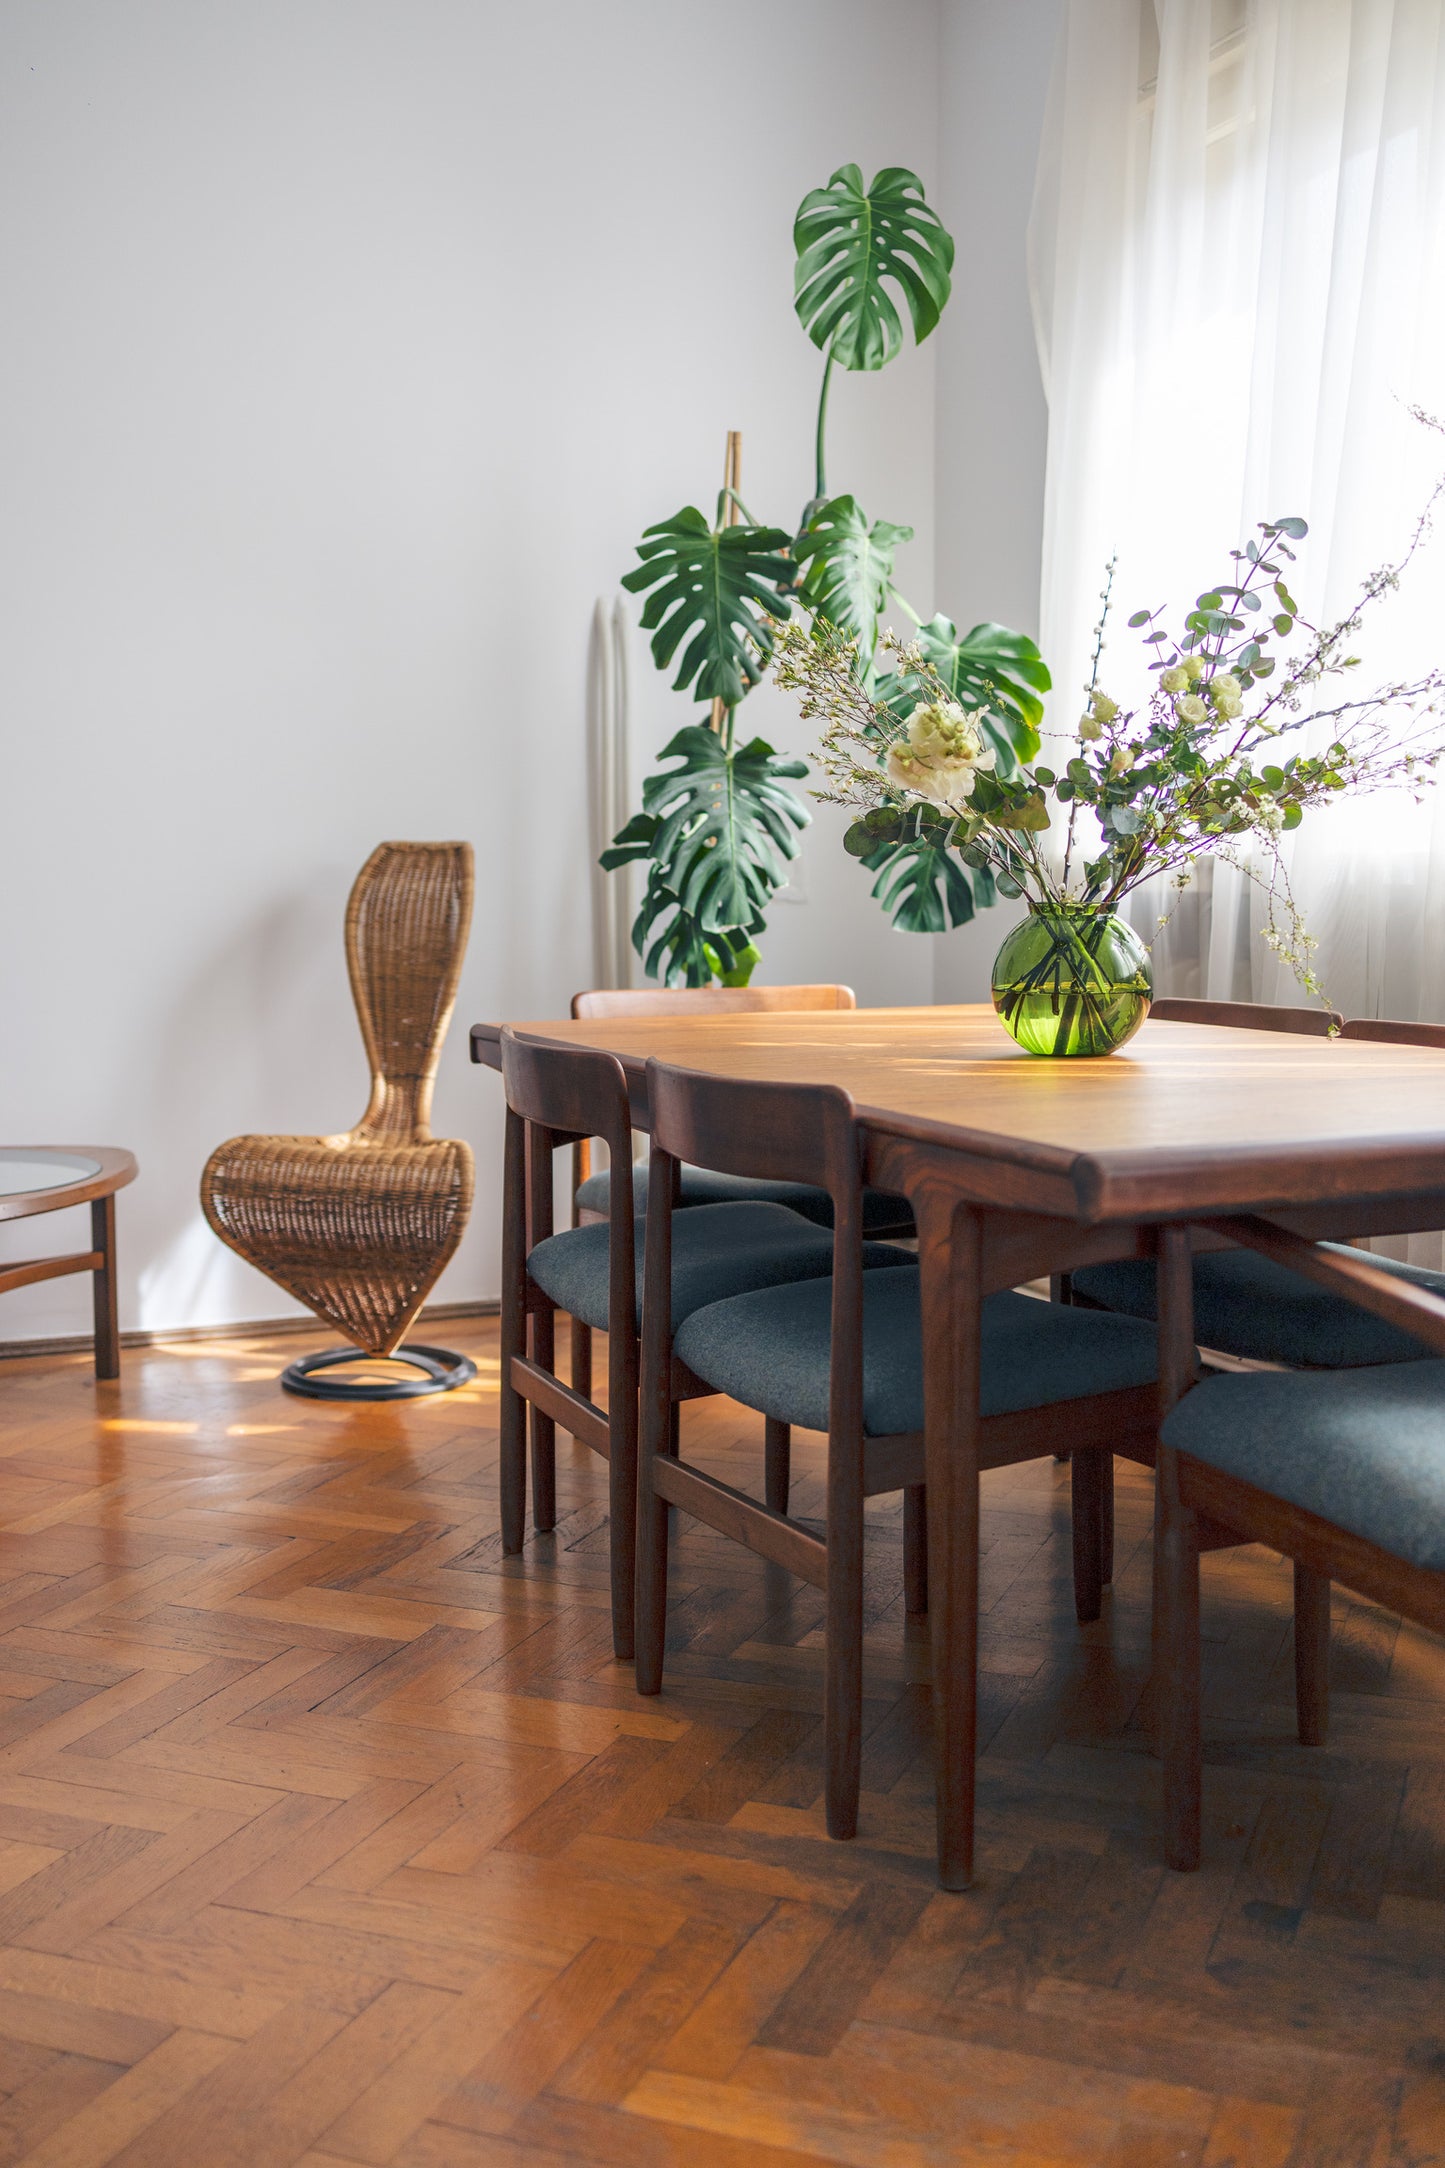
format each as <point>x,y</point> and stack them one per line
<point>921,881</point>
<point>848,569</point>
<point>923,886</point>
<point>725,825</point>
<point>717,831</point>
<point>717,588</point>
<point>992,669</point>
<point>673,947</point>
<point>849,241</point>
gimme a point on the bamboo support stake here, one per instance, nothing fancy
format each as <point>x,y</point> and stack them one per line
<point>732,482</point>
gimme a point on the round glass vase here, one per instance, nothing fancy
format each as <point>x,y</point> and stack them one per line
<point>1072,982</point>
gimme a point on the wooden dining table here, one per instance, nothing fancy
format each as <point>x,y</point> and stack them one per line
<point>1018,1167</point>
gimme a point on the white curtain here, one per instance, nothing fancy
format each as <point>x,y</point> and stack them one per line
<point>1238,268</point>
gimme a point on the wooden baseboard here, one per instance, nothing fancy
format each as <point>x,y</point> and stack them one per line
<point>257,1328</point>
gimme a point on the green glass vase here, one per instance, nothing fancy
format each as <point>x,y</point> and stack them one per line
<point>1072,982</point>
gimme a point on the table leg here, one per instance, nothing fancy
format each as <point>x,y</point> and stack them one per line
<point>1176,1568</point>
<point>107,1324</point>
<point>951,1267</point>
<point>544,1333</point>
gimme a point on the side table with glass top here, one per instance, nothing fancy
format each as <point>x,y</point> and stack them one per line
<point>46,1178</point>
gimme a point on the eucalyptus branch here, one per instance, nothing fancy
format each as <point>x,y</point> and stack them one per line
<point>1212,761</point>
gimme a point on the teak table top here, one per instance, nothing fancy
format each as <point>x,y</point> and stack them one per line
<point>1185,1119</point>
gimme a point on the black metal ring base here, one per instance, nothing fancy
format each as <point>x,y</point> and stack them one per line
<point>442,1372</point>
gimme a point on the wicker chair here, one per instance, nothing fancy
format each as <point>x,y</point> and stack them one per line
<point>359,1226</point>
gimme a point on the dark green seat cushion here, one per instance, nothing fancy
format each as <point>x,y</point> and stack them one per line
<point>771,1352</point>
<point>718,1250</point>
<point>700,1185</point>
<point>1245,1305</point>
<point>1365,1451</point>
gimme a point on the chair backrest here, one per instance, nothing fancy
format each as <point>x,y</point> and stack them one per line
<point>1379,1028</point>
<point>572,1091</point>
<point>785,1132</point>
<point>407,922</point>
<point>775,1132</point>
<point>1247,1016</point>
<point>708,1000</point>
<point>558,1095</point>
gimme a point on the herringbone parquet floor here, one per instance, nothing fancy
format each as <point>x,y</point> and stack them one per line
<point>328,1836</point>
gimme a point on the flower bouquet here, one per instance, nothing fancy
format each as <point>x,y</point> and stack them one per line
<point>1248,724</point>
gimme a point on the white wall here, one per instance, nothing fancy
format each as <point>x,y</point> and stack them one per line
<point>992,421</point>
<point>350,344</point>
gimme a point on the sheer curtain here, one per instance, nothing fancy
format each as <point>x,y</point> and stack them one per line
<point>1237,258</point>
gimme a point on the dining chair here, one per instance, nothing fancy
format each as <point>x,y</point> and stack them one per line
<point>554,1096</point>
<point>1390,1033</point>
<point>1253,1307</point>
<point>843,1355</point>
<point>885,1217</point>
<point>1249,1306</point>
<point>1247,1016</point>
<point>1343,1474</point>
<point>360,1225</point>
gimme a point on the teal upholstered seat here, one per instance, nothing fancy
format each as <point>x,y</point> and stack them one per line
<point>1366,1451</point>
<point>1245,1305</point>
<point>717,1251</point>
<point>771,1352</point>
<point>700,1185</point>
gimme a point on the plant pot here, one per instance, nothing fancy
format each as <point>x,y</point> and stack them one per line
<point>1072,982</point>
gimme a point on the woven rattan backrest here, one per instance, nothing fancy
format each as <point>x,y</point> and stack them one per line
<point>406,934</point>
<point>708,1000</point>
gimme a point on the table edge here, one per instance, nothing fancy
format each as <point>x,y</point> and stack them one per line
<point>1124,1184</point>
<point>118,1169</point>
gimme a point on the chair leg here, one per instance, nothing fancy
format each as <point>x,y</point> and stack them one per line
<point>777,1463</point>
<point>544,1331</point>
<point>1087,1478</point>
<point>581,1358</point>
<point>513,1458</point>
<point>843,1657</point>
<point>1311,1655</point>
<point>1106,1521</point>
<point>915,1549</point>
<point>581,1373</point>
<point>1177,1641</point>
<point>650,1608</point>
<point>622,1427</point>
<point>513,1420</point>
<point>544,1429</point>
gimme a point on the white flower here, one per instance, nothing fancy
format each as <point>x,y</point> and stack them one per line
<point>1190,708</point>
<point>1270,816</point>
<point>1193,668</point>
<point>1104,708</point>
<point>1224,687</point>
<point>1229,707</point>
<point>1090,728</point>
<point>945,753</point>
<point>1175,680</point>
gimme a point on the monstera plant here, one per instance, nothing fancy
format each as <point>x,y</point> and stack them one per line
<point>718,823</point>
